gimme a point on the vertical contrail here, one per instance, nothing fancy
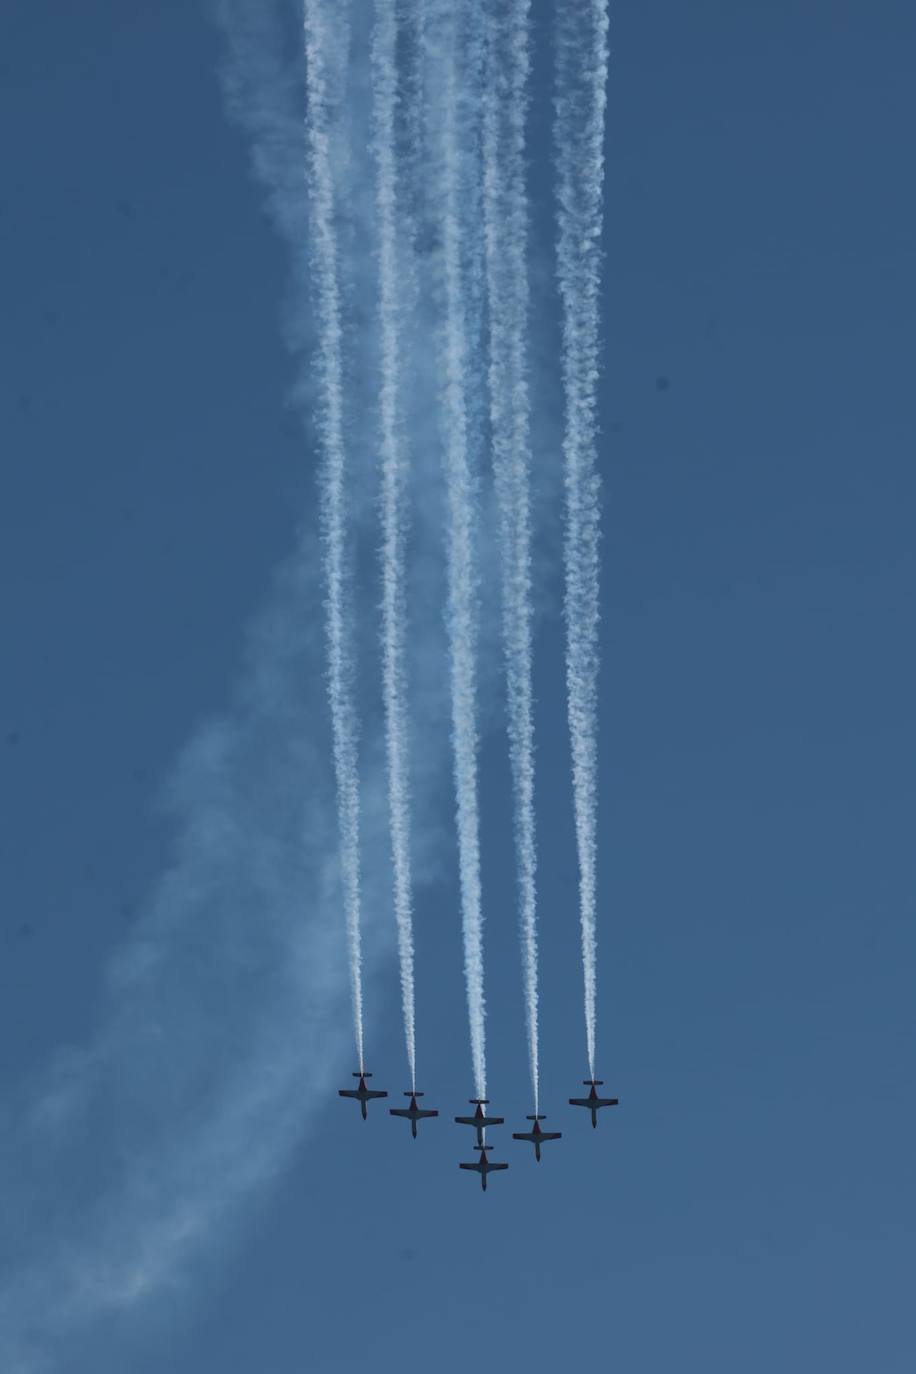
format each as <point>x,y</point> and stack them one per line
<point>506,230</point>
<point>326,42</point>
<point>394,476</point>
<point>444,44</point>
<point>582,57</point>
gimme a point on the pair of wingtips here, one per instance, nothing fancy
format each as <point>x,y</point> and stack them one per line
<point>364,1095</point>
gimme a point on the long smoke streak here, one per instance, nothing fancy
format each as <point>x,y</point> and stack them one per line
<point>443,45</point>
<point>326,43</point>
<point>582,58</point>
<point>506,230</point>
<point>212,1067</point>
<point>394,476</point>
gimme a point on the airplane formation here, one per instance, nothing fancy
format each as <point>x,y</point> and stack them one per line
<point>480,1120</point>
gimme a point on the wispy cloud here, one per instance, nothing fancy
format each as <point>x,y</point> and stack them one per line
<point>224,1018</point>
<point>225,1011</point>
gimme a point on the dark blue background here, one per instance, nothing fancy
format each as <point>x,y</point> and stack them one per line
<point>749,1205</point>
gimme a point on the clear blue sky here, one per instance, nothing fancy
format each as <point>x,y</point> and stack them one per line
<point>749,1205</point>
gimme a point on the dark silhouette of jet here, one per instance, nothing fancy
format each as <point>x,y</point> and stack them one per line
<point>413,1113</point>
<point>593,1101</point>
<point>536,1136</point>
<point>483,1165</point>
<point>362,1093</point>
<point>479,1121</point>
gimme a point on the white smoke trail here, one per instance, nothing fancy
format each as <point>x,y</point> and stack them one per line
<point>506,230</point>
<point>326,51</point>
<point>221,1030</point>
<point>220,1034</point>
<point>443,42</point>
<point>582,58</point>
<point>394,477</point>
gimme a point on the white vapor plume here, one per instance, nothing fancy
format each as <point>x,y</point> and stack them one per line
<point>443,78</point>
<point>582,59</point>
<point>395,169</point>
<point>391,272</point>
<point>221,1031</point>
<point>326,51</point>
<point>506,236</point>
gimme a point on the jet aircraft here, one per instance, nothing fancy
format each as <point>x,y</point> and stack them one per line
<point>483,1165</point>
<point>413,1113</point>
<point>536,1136</point>
<point>362,1093</point>
<point>479,1121</point>
<point>593,1101</point>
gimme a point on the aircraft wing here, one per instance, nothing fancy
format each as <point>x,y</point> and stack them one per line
<point>477,1167</point>
<point>371,1092</point>
<point>427,1113</point>
<point>400,1111</point>
<point>608,1101</point>
<point>348,1092</point>
<point>527,1135</point>
<point>580,1102</point>
<point>491,1168</point>
<point>551,1135</point>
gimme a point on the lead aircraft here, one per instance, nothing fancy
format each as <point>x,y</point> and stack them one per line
<point>413,1113</point>
<point>536,1136</point>
<point>362,1094</point>
<point>483,1165</point>
<point>593,1101</point>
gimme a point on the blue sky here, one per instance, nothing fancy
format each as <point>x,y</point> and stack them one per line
<point>749,1204</point>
